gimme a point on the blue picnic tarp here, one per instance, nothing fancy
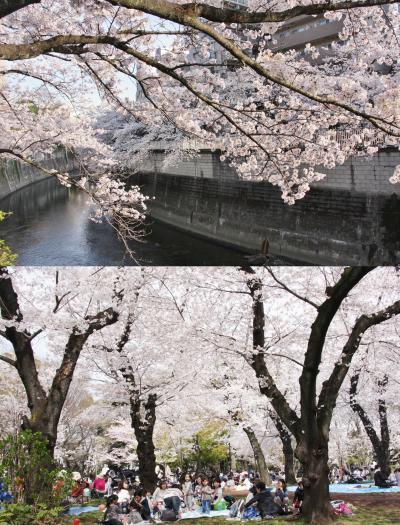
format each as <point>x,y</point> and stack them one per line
<point>198,514</point>
<point>360,488</point>
<point>74,511</point>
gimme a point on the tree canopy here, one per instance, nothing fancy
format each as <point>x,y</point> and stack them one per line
<point>195,75</point>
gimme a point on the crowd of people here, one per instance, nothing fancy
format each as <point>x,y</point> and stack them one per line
<point>382,478</point>
<point>190,493</point>
<point>243,494</point>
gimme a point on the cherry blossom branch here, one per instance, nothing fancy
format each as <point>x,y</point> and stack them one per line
<point>330,388</point>
<point>180,12</point>
<point>120,69</point>
<point>74,44</point>
<point>267,385</point>
<point>238,53</point>
<point>36,77</point>
<point>326,312</point>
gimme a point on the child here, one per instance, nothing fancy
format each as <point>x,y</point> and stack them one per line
<point>217,492</point>
<point>111,515</point>
<point>197,489</point>
<point>135,515</point>
<point>298,496</point>
<point>187,489</point>
<point>206,496</point>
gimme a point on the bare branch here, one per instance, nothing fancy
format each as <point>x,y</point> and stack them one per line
<point>8,360</point>
<point>285,287</point>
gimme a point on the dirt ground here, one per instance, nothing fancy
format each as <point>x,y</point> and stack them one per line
<point>370,500</point>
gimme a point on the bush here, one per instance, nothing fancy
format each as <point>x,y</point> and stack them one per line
<point>7,257</point>
<point>28,469</point>
<point>20,514</point>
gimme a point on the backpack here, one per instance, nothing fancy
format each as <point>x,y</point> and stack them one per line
<point>168,515</point>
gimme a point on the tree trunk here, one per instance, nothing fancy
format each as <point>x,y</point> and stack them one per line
<point>288,453</point>
<point>143,416</point>
<point>258,456</point>
<point>316,508</point>
<point>381,446</point>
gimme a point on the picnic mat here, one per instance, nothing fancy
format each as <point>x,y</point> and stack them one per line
<point>349,488</point>
<point>198,514</point>
<point>74,511</point>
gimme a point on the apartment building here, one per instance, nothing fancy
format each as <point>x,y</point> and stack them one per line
<point>301,30</point>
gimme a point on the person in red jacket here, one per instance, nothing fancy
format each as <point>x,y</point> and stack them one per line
<point>99,486</point>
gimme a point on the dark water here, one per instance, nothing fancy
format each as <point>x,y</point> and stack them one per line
<point>50,225</point>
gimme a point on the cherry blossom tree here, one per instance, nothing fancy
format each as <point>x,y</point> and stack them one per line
<point>82,431</point>
<point>315,325</point>
<point>287,447</point>
<point>141,361</point>
<point>180,347</point>
<point>219,80</point>
<point>373,398</point>
<point>22,326</point>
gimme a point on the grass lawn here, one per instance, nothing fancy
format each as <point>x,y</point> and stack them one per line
<point>363,516</point>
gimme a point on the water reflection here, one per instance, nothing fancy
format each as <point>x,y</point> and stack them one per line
<point>50,225</point>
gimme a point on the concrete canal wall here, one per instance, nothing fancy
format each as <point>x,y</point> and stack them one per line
<point>353,216</point>
<point>15,175</point>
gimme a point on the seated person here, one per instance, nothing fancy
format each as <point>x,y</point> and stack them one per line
<point>264,500</point>
<point>77,490</point>
<point>299,496</point>
<point>281,494</point>
<point>134,513</point>
<point>245,483</point>
<point>170,496</point>
<point>141,504</point>
<point>111,515</point>
<point>381,479</point>
<point>123,496</point>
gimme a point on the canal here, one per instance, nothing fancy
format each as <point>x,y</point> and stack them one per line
<point>51,225</point>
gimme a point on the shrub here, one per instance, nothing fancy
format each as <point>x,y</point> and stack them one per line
<point>20,514</point>
<point>28,469</point>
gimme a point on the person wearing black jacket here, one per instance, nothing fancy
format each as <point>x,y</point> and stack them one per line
<point>141,504</point>
<point>381,480</point>
<point>299,496</point>
<point>264,499</point>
